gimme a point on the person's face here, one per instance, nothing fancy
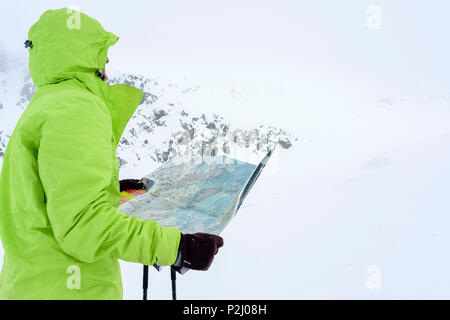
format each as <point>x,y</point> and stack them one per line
<point>104,70</point>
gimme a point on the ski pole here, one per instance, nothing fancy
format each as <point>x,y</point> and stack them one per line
<point>145,282</point>
<point>173,277</point>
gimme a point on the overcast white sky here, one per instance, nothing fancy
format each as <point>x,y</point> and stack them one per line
<point>290,56</point>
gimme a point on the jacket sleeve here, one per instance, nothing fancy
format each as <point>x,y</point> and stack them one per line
<point>75,160</point>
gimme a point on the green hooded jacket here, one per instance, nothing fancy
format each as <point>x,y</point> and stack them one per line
<point>60,224</point>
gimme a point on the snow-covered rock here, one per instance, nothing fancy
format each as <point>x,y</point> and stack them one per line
<point>162,128</point>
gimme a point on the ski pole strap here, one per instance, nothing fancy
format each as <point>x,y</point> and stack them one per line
<point>173,277</point>
<point>145,283</point>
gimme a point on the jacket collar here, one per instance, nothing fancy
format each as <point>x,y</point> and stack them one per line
<point>121,100</point>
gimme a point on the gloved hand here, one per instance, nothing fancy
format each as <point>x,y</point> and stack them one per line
<point>196,251</point>
<point>131,184</point>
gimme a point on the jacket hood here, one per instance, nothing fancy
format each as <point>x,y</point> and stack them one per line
<point>71,45</point>
<point>67,44</point>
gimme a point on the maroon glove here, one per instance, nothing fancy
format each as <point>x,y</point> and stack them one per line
<point>131,184</point>
<point>196,251</point>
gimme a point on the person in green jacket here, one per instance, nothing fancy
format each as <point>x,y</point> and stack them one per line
<point>60,225</point>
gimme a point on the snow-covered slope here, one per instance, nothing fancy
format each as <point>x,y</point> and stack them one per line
<point>356,208</point>
<point>3,142</point>
<point>15,87</point>
<point>162,128</point>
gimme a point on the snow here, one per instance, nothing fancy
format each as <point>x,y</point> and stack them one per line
<point>368,195</point>
<point>358,208</point>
